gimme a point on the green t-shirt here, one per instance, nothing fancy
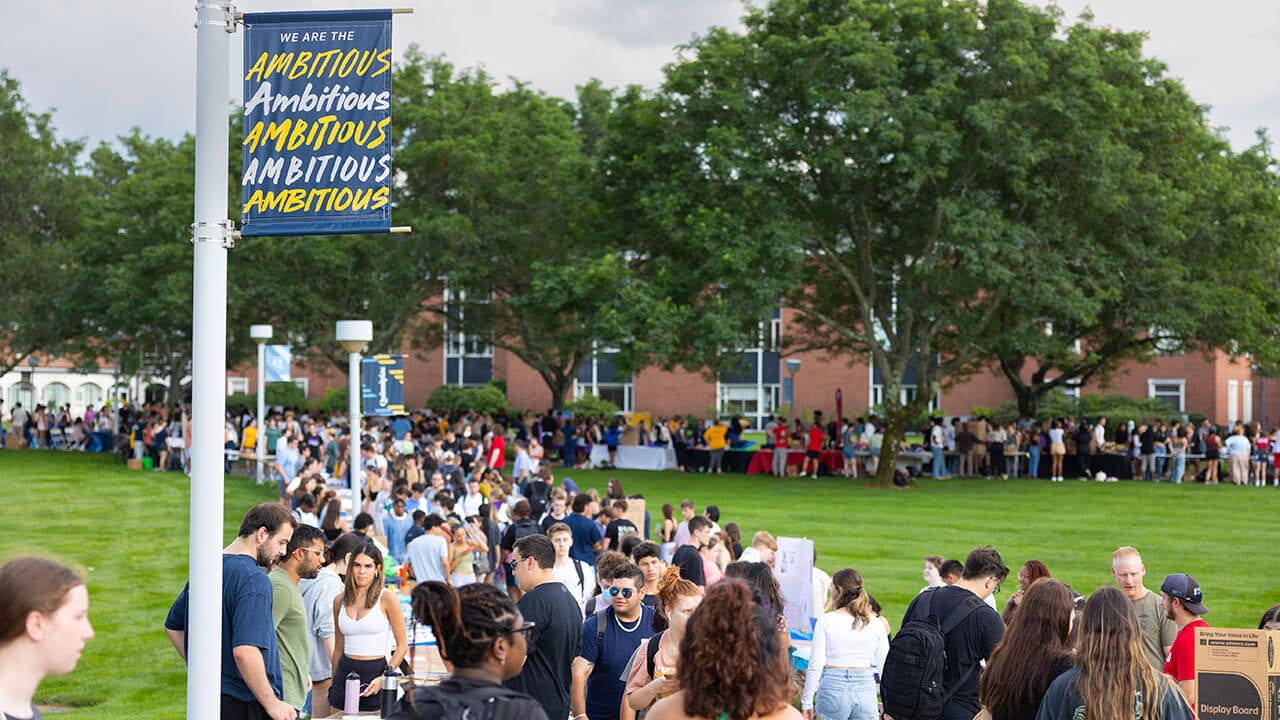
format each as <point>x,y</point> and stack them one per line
<point>273,434</point>
<point>1158,631</point>
<point>289,615</point>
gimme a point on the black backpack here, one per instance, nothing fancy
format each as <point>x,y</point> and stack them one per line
<point>911,683</point>
<point>538,493</point>
<point>525,528</point>
<point>432,703</point>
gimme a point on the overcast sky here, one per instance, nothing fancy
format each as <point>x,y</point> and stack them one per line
<point>105,67</point>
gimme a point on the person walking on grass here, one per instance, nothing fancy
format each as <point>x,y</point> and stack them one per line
<point>812,450</point>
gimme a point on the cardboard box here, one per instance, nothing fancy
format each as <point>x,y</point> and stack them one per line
<point>13,441</point>
<point>135,464</point>
<point>1237,674</point>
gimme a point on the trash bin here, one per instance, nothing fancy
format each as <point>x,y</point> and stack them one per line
<point>146,463</point>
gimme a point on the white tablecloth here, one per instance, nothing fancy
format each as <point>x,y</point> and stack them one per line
<point>633,457</point>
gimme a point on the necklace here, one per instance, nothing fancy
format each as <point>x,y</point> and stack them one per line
<point>626,629</point>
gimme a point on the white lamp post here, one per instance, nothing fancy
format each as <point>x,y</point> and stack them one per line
<point>353,336</point>
<point>261,334</point>
<point>793,367</point>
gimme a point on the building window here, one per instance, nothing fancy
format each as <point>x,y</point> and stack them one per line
<point>1233,401</point>
<point>907,395</point>
<point>304,383</point>
<point>468,359</point>
<point>599,376</point>
<point>1072,389</point>
<point>23,393</point>
<point>237,386</point>
<point>1172,393</point>
<point>56,395</point>
<point>88,395</point>
<point>753,402</point>
<point>753,389</point>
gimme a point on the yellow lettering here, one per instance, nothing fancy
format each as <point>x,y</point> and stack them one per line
<point>380,197</point>
<point>298,136</point>
<point>279,64</point>
<point>301,66</point>
<point>295,201</point>
<point>382,133</point>
<point>384,58</point>
<point>259,66</point>
<point>253,137</point>
<point>278,132</point>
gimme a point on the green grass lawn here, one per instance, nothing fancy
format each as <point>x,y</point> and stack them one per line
<point>128,531</point>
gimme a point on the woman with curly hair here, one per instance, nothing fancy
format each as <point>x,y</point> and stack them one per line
<point>1112,679</point>
<point>481,633</point>
<point>1031,571</point>
<point>741,671</point>
<point>765,590</point>
<point>849,644</point>
<point>654,665</point>
<point>1032,653</point>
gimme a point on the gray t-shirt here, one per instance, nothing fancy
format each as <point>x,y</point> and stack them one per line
<point>1158,631</point>
<point>318,595</point>
<point>427,556</point>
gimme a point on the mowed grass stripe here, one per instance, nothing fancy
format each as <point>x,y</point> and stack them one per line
<point>131,528</point>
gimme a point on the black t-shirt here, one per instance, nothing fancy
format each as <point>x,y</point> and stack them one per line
<point>970,643</point>
<point>619,529</point>
<point>1148,440</point>
<point>689,560</point>
<point>553,644</point>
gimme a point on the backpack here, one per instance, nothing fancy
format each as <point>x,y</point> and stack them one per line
<point>911,683</point>
<point>524,528</point>
<point>538,493</point>
<point>431,703</point>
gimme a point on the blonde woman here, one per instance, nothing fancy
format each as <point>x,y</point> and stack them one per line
<point>849,647</point>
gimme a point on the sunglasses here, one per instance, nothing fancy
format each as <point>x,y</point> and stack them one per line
<point>519,630</point>
<point>626,593</point>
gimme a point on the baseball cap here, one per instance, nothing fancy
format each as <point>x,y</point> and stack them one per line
<point>1186,590</point>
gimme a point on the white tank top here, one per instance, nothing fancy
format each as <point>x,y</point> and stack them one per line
<point>368,636</point>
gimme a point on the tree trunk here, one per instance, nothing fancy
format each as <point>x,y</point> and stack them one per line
<point>559,387</point>
<point>895,429</point>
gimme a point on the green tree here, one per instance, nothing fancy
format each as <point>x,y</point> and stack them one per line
<point>41,208</point>
<point>926,183</point>
<point>497,186</point>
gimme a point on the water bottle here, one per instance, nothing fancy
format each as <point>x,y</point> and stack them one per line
<point>351,703</point>
<point>390,691</point>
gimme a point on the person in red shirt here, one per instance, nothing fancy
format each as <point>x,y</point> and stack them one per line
<point>779,432</point>
<point>1182,600</point>
<point>813,449</point>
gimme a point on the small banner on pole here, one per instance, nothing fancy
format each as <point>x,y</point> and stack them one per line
<point>279,358</point>
<point>317,123</point>
<point>382,385</point>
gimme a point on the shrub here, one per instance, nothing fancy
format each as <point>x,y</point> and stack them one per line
<point>589,405</point>
<point>484,399</point>
<point>279,394</point>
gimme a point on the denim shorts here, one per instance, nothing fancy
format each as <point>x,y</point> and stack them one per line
<point>846,694</point>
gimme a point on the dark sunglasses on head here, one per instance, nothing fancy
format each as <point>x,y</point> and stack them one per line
<point>626,593</point>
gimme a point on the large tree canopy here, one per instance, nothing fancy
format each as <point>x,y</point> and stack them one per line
<point>945,178</point>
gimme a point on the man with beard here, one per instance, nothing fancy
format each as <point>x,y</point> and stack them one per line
<point>251,681</point>
<point>288,612</point>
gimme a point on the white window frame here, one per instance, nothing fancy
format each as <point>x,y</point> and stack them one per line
<point>237,385</point>
<point>55,404</point>
<point>1152,383</point>
<point>1233,401</point>
<point>1246,401</point>
<point>905,396</point>
<point>304,383</point>
<point>458,345</point>
<point>593,386</point>
<point>80,399</point>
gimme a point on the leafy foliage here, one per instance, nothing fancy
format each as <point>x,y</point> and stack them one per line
<point>484,399</point>
<point>589,405</point>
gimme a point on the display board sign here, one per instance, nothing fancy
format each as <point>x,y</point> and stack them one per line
<point>317,123</point>
<point>382,385</point>
<point>794,568</point>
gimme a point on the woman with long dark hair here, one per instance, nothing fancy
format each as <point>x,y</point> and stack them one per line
<point>1112,679</point>
<point>849,644</point>
<point>365,616</point>
<point>482,635</point>
<point>1032,653</point>
<point>741,672</point>
<point>44,624</point>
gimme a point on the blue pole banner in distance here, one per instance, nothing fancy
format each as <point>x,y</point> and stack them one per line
<point>382,385</point>
<point>317,123</point>
<point>279,359</point>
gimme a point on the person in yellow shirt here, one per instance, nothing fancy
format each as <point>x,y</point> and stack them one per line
<point>249,445</point>
<point>715,438</point>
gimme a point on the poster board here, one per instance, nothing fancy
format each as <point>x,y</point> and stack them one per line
<point>794,568</point>
<point>1237,674</point>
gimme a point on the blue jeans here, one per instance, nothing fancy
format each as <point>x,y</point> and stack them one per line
<point>1179,467</point>
<point>1033,461</point>
<point>939,463</point>
<point>846,694</point>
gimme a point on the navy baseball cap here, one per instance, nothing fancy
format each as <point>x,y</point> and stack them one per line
<point>1186,590</point>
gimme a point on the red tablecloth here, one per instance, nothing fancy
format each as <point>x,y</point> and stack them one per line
<point>762,462</point>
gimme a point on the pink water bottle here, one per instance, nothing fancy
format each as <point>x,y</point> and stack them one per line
<point>351,704</point>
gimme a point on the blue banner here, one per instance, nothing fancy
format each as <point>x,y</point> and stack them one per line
<point>317,123</point>
<point>382,385</point>
<point>279,358</point>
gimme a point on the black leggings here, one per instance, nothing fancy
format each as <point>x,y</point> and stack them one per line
<point>368,670</point>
